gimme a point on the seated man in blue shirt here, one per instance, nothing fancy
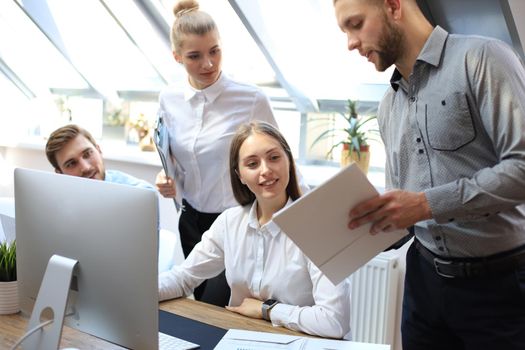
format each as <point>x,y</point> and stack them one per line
<point>73,151</point>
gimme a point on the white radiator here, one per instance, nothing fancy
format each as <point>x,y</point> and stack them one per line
<point>374,300</point>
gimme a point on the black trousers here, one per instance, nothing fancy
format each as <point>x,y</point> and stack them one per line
<point>192,224</point>
<point>474,313</point>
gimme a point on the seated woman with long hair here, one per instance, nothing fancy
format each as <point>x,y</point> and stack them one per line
<point>260,261</point>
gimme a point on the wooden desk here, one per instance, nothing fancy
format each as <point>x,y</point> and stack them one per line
<point>12,327</point>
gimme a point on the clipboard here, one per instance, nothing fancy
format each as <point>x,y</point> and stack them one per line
<point>161,139</point>
<point>317,223</point>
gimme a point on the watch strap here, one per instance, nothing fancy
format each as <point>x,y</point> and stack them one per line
<point>266,307</point>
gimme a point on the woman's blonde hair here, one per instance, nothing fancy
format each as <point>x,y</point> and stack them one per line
<point>189,20</point>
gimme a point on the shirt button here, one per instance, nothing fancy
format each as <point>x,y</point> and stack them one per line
<point>421,151</point>
<point>418,139</point>
<point>413,99</point>
<point>438,238</point>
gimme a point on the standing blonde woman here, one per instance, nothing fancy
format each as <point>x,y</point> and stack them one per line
<point>202,114</point>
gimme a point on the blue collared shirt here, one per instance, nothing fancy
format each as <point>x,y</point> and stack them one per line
<point>119,177</point>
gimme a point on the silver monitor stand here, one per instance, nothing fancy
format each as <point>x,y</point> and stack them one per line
<point>52,296</point>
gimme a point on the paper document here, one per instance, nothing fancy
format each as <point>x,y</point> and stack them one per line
<point>249,340</point>
<point>162,143</point>
<point>240,339</point>
<point>317,223</point>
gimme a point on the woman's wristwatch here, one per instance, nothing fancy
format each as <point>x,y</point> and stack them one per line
<point>267,306</point>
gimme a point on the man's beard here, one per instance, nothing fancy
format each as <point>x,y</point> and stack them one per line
<point>390,46</point>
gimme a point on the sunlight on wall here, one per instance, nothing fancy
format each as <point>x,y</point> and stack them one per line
<point>6,174</point>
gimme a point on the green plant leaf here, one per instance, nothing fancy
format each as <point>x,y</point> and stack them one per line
<point>7,261</point>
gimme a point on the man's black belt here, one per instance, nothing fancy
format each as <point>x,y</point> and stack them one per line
<point>473,267</point>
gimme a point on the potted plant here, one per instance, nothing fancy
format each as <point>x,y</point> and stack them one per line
<point>8,282</point>
<point>353,136</point>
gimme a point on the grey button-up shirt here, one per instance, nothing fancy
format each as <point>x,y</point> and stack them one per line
<point>456,131</point>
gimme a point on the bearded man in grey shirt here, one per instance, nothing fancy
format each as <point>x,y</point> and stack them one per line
<point>453,124</point>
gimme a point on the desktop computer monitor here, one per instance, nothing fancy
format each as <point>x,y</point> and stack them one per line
<point>111,230</point>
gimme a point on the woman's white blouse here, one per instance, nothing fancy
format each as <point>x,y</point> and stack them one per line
<point>263,263</point>
<point>201,124</point>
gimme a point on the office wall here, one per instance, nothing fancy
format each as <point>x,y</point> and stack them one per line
<point>501,19</point>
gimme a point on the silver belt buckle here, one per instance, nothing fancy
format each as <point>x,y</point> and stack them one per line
<point>437,263</point>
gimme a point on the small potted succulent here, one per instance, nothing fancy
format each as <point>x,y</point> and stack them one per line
<point>353,136</point>
<point>8,281</point>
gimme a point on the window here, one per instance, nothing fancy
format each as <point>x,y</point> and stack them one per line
<point>29,53</point>
<point>102,63</point>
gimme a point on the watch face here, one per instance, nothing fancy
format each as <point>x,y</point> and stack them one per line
<point>270,302</point>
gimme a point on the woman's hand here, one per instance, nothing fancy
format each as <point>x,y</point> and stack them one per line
<point>165,185</point>
<point>250,307</point>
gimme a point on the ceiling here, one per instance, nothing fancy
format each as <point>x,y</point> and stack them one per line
<point>293,48</point>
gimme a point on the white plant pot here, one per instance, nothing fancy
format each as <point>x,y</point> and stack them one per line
<point>9,298</point>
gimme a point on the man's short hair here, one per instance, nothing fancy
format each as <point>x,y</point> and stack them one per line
<point>60,137</point>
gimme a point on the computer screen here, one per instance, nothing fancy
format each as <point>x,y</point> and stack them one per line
<point>111,229</point>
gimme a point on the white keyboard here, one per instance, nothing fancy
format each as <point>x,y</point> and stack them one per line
<point>168,342</point>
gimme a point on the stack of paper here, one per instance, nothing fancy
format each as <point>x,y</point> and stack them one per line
<point>248,340</point>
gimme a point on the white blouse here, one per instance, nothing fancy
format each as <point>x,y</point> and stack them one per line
<point>201,124</point>
<point>261,262</point>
